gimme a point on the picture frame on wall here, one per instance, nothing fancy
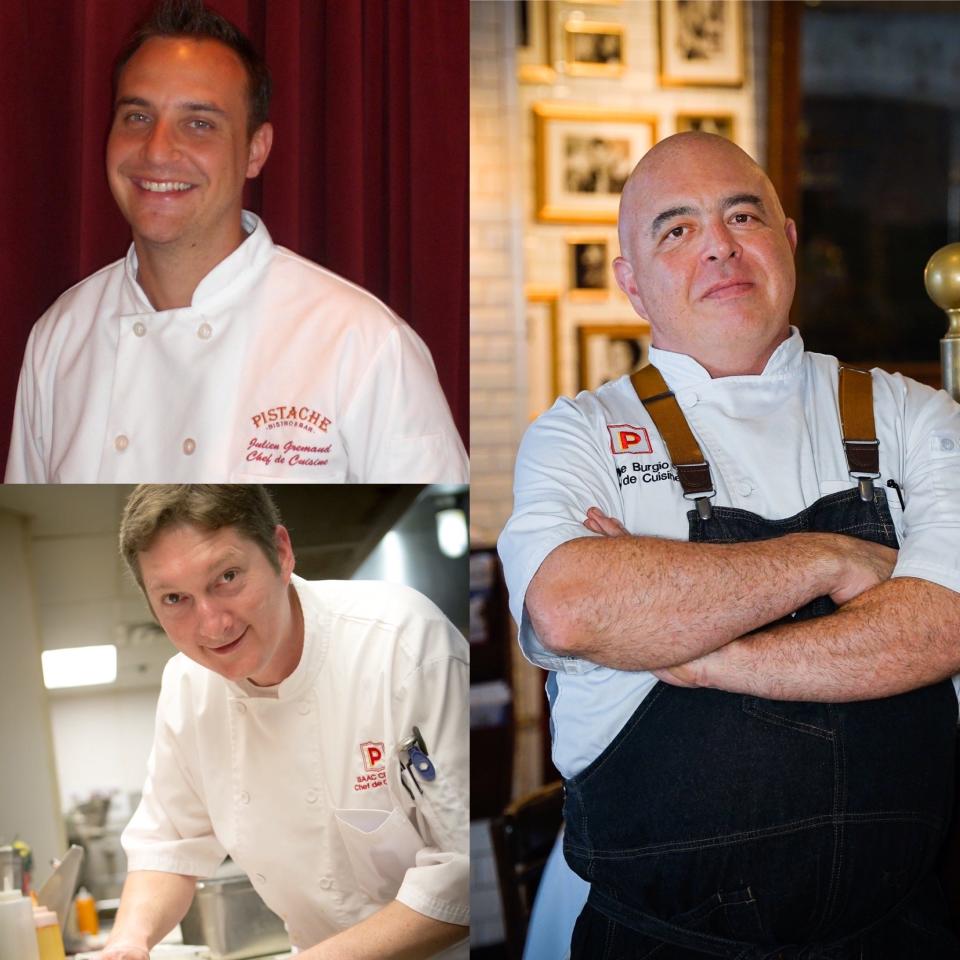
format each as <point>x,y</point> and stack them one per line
<point>543,348</point>
<point>606,351</point>
<point>534,60</point>
<point>588,260</point>
<point>584,155</point>
<point>594,49</point>
<point>701,43</point>
<point>708,121</point>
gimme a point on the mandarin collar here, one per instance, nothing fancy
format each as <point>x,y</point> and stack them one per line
<point>680,370</point>
<point>316,641</point>
<point>225,282</point>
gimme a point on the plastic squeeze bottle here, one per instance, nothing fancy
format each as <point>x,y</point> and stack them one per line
<point>49,940</point>
<point>18,937</point>
<point>87,919</point>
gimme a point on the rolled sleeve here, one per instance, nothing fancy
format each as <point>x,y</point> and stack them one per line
<point>560,474</point>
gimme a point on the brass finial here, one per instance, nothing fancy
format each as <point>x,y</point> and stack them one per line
<point>942,280</point>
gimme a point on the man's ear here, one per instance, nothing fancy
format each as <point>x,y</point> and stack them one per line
<point>790,229</point>
<point>627,282</point>
<point>260,144</point>
<point>284,552</point>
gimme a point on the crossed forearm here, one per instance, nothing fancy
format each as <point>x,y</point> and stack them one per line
<point>641,603</point>
<point>897,636</point>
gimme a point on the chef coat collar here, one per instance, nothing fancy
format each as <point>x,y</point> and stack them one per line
<point>316,640</point>
<point>681,371</point>
<point>225,282</point>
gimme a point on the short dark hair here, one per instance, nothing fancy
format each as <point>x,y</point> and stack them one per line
<point>190,18</point>
<point>153,507</point>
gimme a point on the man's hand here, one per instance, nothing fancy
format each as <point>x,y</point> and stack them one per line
<point>862,565</point>
<point>123,951</point>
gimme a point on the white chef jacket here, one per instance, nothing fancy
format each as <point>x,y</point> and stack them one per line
<point>299,783</point>
<point>278,371</point>
<point>774,447</point>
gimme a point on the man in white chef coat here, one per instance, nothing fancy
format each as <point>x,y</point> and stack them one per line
<point>282,739</point>
<point>739,566</point>
<point>209,353</point>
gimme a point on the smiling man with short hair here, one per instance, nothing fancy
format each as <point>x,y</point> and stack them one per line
<point>210,353</point>
<point>739,565</point>
<point>281,729</point>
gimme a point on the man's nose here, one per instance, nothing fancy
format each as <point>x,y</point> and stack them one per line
<point>161,143</point>
<point>213,621</point>
<point>720,244</point>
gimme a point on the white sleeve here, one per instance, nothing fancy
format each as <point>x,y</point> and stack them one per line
<point>561,471</point>
<point>398,426</point>
<point>171,830</point>
<point>25,463</point>
<point>931,485</point>
<point>434,697</point>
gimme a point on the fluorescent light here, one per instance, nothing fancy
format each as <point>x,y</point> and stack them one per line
<point>452,532</point>
<point>394,558</point>
<point>79,666</point>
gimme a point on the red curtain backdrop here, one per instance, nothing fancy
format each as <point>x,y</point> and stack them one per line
<point>368,174</point>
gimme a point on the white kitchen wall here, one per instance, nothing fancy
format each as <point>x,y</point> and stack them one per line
<point>102,741</point>
<point>28,789</point>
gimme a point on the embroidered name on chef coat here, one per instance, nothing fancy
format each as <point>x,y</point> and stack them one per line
<point>309,448</point>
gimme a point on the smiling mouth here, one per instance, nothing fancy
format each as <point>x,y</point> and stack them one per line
<point>162,186</point>
<point>728,291</point>
<point>228,647</point>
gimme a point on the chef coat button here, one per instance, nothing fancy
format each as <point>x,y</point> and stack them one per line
<point>189,445</point>
<point>204,331</point>
<point>121,442</point>
<point>139,329</point>
<point>241,708</point>
<point>303,708</point>
<point>688,400</point>
<point>261,878</point>
<point>244,797</point>
<point>744,488</point>
<point>325,883</point>
<point>312,796</point>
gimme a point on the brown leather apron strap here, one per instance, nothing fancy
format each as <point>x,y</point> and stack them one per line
<point>859,430</point>
<point>692,470</point>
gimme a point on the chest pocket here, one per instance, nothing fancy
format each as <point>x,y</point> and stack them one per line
<point>381,846</point>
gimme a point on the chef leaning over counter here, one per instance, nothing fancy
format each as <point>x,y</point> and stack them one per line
<point>285,738</point>
<point>209,352</point>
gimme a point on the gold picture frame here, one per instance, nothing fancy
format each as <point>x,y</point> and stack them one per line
<point>588,263</point>
<point>594,49</point>
<point>543,347</point>
<point>584,155</point>
<point>534,60</point>
<point>606,351</point>
<point>701,43</point>
<point>722,123</point>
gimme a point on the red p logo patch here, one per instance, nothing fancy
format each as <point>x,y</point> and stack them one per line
<point>372,754</point>
<point>626,438</point>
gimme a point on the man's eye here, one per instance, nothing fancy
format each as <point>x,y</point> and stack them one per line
<point>171,599</point>
<point>200,124</point>
<point>229,576</point>
<point>676,233</point>
<point>136,118</point>
<point>742,217</point>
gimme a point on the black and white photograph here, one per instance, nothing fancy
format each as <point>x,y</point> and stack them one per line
<point>594,49</point>
<point>721,124</point>
<point>609,351</point>
<point>584,155</point>
<point>701,42</point>
<point>589,264</point>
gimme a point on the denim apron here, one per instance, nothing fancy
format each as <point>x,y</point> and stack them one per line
<point>724,825</point>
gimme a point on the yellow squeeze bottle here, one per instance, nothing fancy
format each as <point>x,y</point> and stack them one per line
<point>49,941</point>
<point>87,920</point>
